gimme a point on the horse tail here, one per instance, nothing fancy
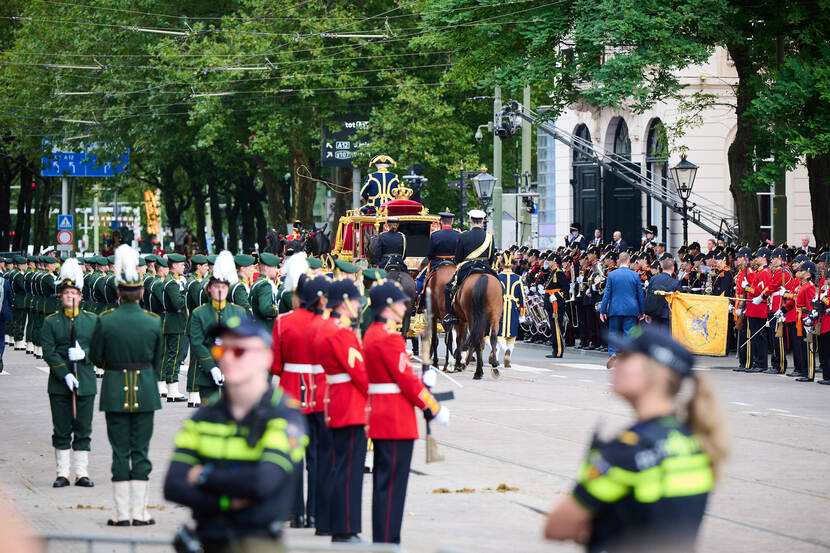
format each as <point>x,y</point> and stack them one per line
<point>478,306</point>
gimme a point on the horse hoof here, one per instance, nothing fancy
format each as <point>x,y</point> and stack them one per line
<point>478,375</point>
<point>496,373</point>
<point>506,364</point>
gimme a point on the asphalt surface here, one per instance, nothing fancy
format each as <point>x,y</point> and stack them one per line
<point>527,430</point>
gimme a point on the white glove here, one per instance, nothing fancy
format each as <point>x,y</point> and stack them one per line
<point>780,292</point>
<point>75,353</point>
<point>745,283</point>
<point>429,378</point>
<point>572,288</point>
<point>71,381</point>
<point>540,289</point>
<point>645,284</point>
<point>443,416</point>
<point>217,376</point>
<point>522,319</point>
<point>738,312</point>
<point>779,315</point>
<point>757,299</point>
<point>732,309</point>
<point>181,282</point>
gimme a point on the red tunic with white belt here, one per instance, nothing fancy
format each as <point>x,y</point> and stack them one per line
<point>292,360</point>
<point>758,284</point>
<point>394,389</point>
<point>341,356</point>
<point>317,404</point>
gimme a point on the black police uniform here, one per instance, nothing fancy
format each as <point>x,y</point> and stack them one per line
<point>475,249</point>
<point>442,245</point>
<point>256,458</point>
<point>389,244</point>
<point>647,489</point>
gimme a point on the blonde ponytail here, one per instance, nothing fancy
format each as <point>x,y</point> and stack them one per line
<point>706,422</point>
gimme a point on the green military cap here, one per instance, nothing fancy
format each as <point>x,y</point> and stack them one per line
<point>269,259</point>
<point>63,258</point>
<point>162,261</point>
<point>346,267</point>
<point>110,259</point>
<point>211,259</point>
<point>198,259</point>
<point>150,258</point>
<point>31,259</point>
<point>48,259</point>
<point>374,274</point>
<point>314,263</point>
<point>244,260</point>
<point>142,262</point>
<point>81,260</point>
<point>20,259</point>
<point>176,258</point>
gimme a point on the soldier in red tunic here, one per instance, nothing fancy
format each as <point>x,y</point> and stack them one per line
<point>394,392</point>
<point>341,356</point>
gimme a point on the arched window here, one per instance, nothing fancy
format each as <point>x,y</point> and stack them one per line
<point>622,143</point>
<point>582,151</point>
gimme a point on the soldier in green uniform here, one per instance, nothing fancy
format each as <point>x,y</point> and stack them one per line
<point>96,292</point>
<point>263,297</point>
<point>110,286</point>
<point>149,277</point>
<point>208,377</point>
<point>171,291</point>
<point>47,287</point>
<point>19,306</point>
<point>194,297</point>
<point>31,262</point>
<point>128,397</point>
<point>156,305</point>
<point>241,289</point>
<point>66,337</point>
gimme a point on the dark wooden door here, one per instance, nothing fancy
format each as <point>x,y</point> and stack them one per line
<point>587,198</point>
<point>622,208</point>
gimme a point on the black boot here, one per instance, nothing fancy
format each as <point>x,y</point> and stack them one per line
<point>60,482</point>
<point>295,521</point>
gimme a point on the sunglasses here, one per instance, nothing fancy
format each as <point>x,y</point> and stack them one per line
<point>218,351</point>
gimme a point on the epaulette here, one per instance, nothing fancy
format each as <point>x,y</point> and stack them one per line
<point>108,311</point>
<point>89,313</point>
<point>151,313</point>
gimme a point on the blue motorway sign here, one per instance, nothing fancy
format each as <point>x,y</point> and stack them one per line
<point>65,222</point>
<point>56,163</point>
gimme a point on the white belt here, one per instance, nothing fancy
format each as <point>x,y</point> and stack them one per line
<point>302,368</point>
<point>338,378</point>
<point>317,369</point>
<point>384,389</point>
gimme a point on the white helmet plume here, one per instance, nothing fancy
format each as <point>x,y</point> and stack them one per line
<point>126,261</point>
<point>224,269</point>
<point>71,272</point>
<point>293,268</point>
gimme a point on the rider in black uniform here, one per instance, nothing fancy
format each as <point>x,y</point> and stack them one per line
<point>475,251</point>
<point>390,244</point>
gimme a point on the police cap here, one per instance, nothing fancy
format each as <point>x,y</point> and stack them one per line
<point>657,344</point>
<point>243,326</point>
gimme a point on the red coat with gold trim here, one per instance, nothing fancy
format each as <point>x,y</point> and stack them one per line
<point>292,360</point>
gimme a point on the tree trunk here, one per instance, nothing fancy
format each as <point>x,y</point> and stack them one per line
<point>24,208</point>
<point>7,173</point>
<point>199,208</point>
<point>273,189</point>
<point>818,170</point>
<point>305,189</point>
<point>216,219</point>
<point>261,218</point>
<point>740,151</point>
<point>247,204</point>
<point>44,193</point>
<point>231,210</point>
<point>173,215</point>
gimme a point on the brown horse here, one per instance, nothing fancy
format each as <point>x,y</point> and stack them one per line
<point>478,304</point>
<point>435,283</point>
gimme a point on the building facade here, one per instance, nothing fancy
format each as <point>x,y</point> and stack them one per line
<point>573,187</point>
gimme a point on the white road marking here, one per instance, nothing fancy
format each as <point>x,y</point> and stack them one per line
<point>778,410</point>
<point>742,404</point>
<point>558,376</point>
<point>586,380</point>
<point>586,366</point>
<point>526,369</point>
<point>793,416</point>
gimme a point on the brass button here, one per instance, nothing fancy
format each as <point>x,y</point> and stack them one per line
<point>125,388</point>
<point>125,371</point>
<point>135,388</point>
<point>137,373</point>
<point>135,406</point>
<point>126,406</point>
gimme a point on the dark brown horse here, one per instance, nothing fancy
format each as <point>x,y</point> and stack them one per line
<point>478,304</point>
<point>435,283</point>
<point>410,289</point>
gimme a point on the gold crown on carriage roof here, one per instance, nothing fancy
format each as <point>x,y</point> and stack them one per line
<point>401,192</point>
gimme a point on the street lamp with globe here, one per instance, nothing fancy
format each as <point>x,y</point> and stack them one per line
<point>484,183</point>
<point>684,178</point>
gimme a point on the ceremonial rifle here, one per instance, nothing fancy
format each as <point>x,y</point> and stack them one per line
<point>73,337</point>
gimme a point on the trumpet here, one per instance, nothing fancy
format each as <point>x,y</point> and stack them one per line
<point>536,320</point>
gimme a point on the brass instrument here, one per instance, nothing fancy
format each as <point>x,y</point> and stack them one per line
<point>536,320</point>
<point>710,282</point>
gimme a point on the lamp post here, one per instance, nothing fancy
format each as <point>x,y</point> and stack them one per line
<point>484,184</point>
<point>684,178</point>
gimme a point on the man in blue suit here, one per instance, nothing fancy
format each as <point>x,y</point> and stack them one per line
<point>622,303</point>
<point>657,309</point>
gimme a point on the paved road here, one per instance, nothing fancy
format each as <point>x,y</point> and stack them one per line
<point>527,430</point>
